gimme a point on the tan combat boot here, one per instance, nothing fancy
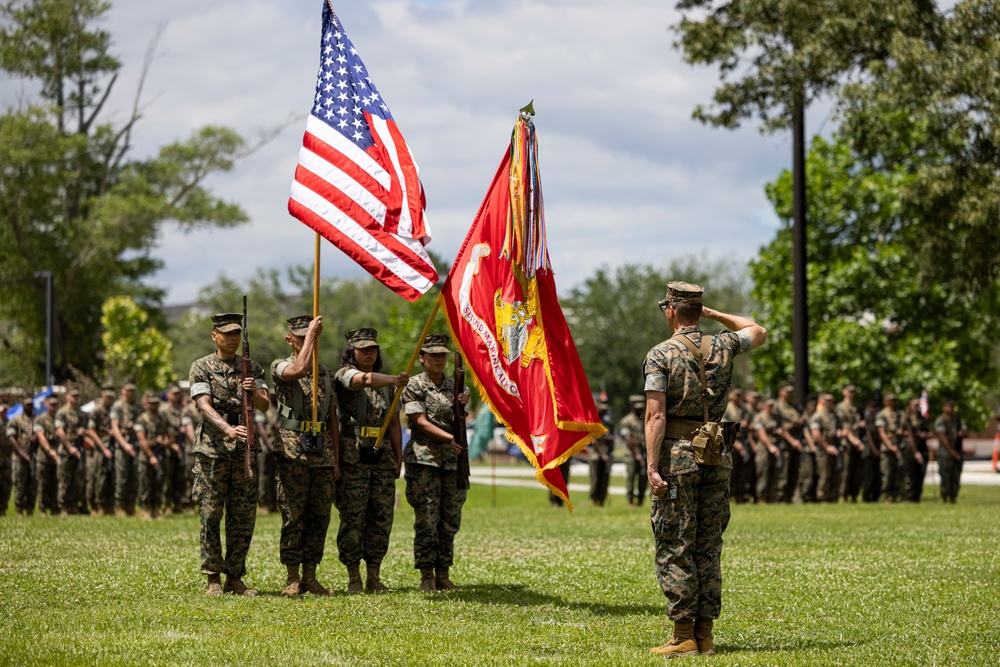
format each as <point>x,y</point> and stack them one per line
<point>703,635</point>
<point>309,582</point>
<point>442,581</point>
<point>235,585</point>
<point>372,583</point>
<point>354,584</point>
<point>214,586</point>
<point>291,581</point>
<point>683,643</point>
<point>427,582</point>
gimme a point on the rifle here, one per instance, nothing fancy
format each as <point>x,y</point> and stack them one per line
<point>461,436</point>
<point>248,408</point>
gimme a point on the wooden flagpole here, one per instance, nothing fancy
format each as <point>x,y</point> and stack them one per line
<point>315,352</point>
<point>409,367</point>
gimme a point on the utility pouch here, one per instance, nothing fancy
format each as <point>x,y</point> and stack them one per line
<point>369,455</point>
<point>311,443</point>
<point>707,443</point>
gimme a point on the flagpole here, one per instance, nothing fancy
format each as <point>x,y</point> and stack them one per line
<point>315,351</point>
<point>409,367</point>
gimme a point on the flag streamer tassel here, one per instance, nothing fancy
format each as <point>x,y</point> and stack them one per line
<point>409,367</point>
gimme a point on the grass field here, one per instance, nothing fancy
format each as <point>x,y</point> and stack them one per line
<point>804,585</point>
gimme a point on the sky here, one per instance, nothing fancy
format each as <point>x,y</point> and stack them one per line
<point>627,175</point>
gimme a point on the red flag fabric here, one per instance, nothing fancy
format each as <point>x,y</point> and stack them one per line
<point>356,182</point>
<point>515,341</point>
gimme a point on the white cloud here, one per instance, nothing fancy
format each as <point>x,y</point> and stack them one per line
<point>628,176</point>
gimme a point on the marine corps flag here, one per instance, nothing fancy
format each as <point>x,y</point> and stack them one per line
<point>500,302</point>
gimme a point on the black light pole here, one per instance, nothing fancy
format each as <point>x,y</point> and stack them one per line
<point>47,275</point>
<point>800,319</point>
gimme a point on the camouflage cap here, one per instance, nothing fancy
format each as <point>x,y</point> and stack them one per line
<point>436,343</point>
<point>362,338</point>
<point>51,398</point>
<point>786,386</point>
<point>682,292</point>
<point>849,387</point>
<point>889,396</point>
<point>27,400</point>
<point>299,325</point>
<point>227,322</point>
<point>75,391</point>
<point>173,389</point>
<point>601,405</point>
<point>129,386</point>
<point>150,397</point>
<point>637,399</point>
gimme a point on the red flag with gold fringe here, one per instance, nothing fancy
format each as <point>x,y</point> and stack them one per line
<point>501,305</point>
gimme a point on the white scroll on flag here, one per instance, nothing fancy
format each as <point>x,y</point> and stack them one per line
<point>356,183</point>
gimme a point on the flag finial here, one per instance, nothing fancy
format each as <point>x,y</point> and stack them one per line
<point>528,109</point>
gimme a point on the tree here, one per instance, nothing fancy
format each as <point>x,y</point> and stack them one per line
<point>614,318</point>
<point>876,320</point>
<point>72,199</point>
<point>133,349</point>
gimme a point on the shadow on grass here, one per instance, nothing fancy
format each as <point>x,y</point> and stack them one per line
<point>521,596</point>
<point>806,645</point>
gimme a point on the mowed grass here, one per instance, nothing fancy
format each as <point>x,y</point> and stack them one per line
<point>804,585</point>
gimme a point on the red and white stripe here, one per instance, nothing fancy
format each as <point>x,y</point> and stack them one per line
<point>367,203</point>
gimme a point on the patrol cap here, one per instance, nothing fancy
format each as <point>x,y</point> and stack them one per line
<point>435,343</point>
<point>27,400</point>
<point>52,398</point>
<point>637,399</point>
<point>173,389</point>
<point>786,386</point>
<point>769,403</point>
<point>601,405</point>
<point>299,325</point>
<point>227,322</point>
<point>362,338</point>
<point>150,396</point>
<point>679,291</point>
<point>129,385</point>
<point>850,387</point>
<point>889,396</point>
<point>75,391</point>
<point>753,393</point>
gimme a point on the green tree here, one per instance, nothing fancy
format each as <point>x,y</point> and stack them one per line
<point>73,200</point>
<point>614,318</point>
<point>133,349</point>
<point>875,319</point>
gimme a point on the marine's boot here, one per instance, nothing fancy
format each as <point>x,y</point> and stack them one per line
<point>354,584</point>
<point>235,585</point>
<point>372,583</point>
<point>442,581</point>
<point>427,581</point>
<point>120,511</point>
<point>145,514</point>
<point>683,643</point>
<point>703,635</point>
<point>291,581</point>
<point>309,582</point>
<point>214,586</point>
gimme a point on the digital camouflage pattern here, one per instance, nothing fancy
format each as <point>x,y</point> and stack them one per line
<point>891,465</point>
<point>305,497</point>
<point>850,420</point>
<point>288,444</point>
<point>422,396</point>
<point>267,485</point>
<point>950,467</point>
<point>126,467</point>
<point>6,469</point>
<point>47,470</point>
<point>225,490</point>
<point>828,489</point>
<point>366,494</point>
<point>793,423</point>
<point>767,464</point>
<point>72,470</point>
<point>633,431</point>
<point>431,471</point>
<point>222,380</point>
<point>22,429</point>
<point>190,415</point>
<point>102,492</point>
<point>174,474</point>
<point>688,522</point>
<point>153,427</point>
<point>437,502</point>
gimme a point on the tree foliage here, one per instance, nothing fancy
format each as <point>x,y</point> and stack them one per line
<point>133,349</point>
<point>73,200</point>
<point>874,318</point>
<point>615,321</point>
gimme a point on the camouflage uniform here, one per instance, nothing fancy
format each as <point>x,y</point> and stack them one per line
<point>949,466</point>
<point>600,455</point>
<point>6,470</point>
<point>72,470</point>
<point>688,522</point>
<point>305,482</point>
<point>632,429</point>
<point>267,486</point>
<point>850,420</point>
<point>22,429</point>
<point>810,459</point>
<point>792,423</point>
<point>99,421</point>
<point>222,485</point>
<point>741,464</point>
<point>871,477</point>
<point>152,482</point>
<point>174,473</point>
<point>913,472</point>
<point>891,464</point>
<point>432,472</point>
<point>767,464</point>
<point>830,470</point>
<point>366,493</point>
<point>126,467</point>
<point>47,470</point>
<point>190,415</point>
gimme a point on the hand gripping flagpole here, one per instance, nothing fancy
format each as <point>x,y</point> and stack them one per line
<point>315,350</point>
<point>409,367</point>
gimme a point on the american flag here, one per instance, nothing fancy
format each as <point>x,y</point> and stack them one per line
<point>356,183</point>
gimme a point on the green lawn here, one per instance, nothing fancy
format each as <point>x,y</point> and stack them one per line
<point>804,585</point>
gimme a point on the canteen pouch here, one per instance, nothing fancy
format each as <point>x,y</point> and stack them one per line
<point>369,455</point>
<point>311,443</point>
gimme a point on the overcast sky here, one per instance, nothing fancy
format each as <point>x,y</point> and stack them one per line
<point>627,175</point>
